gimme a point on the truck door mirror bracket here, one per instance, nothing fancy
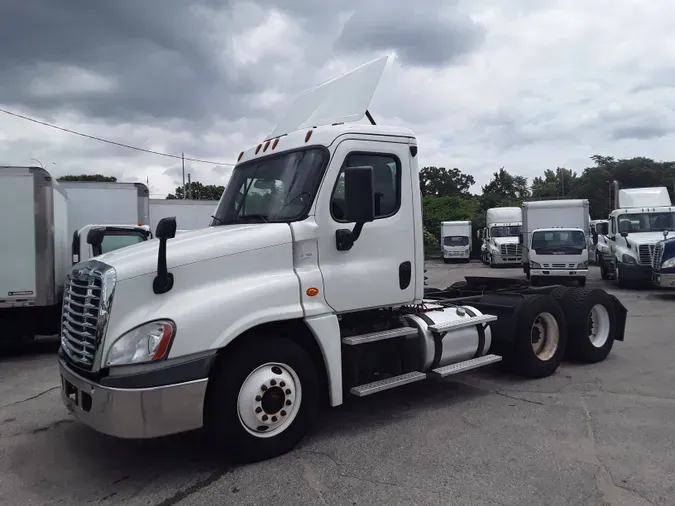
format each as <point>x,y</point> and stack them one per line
<point>359,205</point>
<point>166,229</point>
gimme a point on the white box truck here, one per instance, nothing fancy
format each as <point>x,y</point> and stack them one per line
<point>456,240</point>
<point>248,326</point>
<point>555,240</point>
<point>502,229</point>
<point>641,218</point>
<point>189,214</point>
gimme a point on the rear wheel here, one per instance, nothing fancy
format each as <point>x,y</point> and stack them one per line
<point>540,339</point>
<point>262,399</point>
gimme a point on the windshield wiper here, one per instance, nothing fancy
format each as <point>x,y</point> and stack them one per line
<point>253,216</point>
<point>216,218</point>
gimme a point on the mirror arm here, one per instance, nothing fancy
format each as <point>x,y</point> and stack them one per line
<point>163,282</point>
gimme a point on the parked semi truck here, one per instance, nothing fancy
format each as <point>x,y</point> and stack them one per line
<point>638,222</point>
<point>38,250</point>
<point>599,247</point>
<point>555,240</point>
<point>502,229</point>
<point>663,263</point>
<point>456,238</point>
<point>315,292</point>
<point>190,214</point>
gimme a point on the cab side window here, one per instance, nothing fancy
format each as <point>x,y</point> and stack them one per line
<point>387,187</point>
<point>612,226</point>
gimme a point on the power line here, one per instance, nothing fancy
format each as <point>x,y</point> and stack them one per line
<point>114,143</point>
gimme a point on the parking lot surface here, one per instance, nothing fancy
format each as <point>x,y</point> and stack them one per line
<point>590,434</point>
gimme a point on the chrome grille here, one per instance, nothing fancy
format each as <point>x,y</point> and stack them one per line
<point>658,257</point>
<point>645,253</point>
<point>560,266</point>
<point>512,250</point>
<point>86,301</point>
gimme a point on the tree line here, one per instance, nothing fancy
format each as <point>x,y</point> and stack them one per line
<point>446,192</point>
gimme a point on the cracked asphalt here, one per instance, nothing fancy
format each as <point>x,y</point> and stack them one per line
<point>602,434</point>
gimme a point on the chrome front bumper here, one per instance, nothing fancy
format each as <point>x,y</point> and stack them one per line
<point>136,413</point>
<point>506,259</point>
<point>663,280</point>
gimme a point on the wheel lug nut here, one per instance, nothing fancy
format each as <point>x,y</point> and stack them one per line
<point>283,413</point>
<point>264,418</point>
<point>288,402</point>
<point>258,410</point>
<point>274,418</point>
<point>273,382</point>
<point>282,384</point>
<point>263,388</point>
<point>258,398</point>
<point>288,391</point>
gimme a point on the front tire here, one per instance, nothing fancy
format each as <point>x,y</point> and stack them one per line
<point>581,282</point>
<point>263,398</point>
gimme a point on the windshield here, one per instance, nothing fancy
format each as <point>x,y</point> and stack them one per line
<point>571,242</point>
<point>275,188</point>
<point>505,231</point>
<point>112,242</point>
<point>646,222</point>
<point>455,240</point>
<point>601,228</point>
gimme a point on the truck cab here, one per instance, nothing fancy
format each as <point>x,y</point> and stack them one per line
<point>503,227</point>
<point>456,240</point>
<point>599,242</point>
<point>558,253</point>
<point>112,237</point>
<point>638,222</point>
<point>663,264</point>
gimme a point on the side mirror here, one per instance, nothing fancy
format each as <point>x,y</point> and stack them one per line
<point>359,206</point>
<point>95,238</point>
<point>166,229</point>
<point>624,234</point>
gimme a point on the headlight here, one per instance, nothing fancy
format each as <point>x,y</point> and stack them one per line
<point>534,265</point>
<point>582,265</point>
<point>147,343</point>
<point>668,264</point>
<point>627,259</point>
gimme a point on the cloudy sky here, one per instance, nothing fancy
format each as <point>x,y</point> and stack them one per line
<point>525,84</point>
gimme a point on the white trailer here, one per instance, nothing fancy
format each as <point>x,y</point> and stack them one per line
<point>555,240</point>
<point>189,214</point>
<point>502,228</point>
<point>316,292</point>
<point>456,240</point>
<point>33,252</point>
<point>97,202</point>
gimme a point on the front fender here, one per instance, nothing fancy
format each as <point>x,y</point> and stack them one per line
<point>212,301</point>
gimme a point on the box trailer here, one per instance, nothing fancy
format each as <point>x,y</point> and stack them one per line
<point>189,214</point>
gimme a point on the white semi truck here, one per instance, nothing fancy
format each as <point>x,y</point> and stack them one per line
<point>311,291</point>
<point>456,240</point>
<point>502,229</point>
<point>641,217</point>
<point>555,240</point>
<point>37,250</point>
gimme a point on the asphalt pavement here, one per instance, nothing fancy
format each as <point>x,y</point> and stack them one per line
<point>590,434</point>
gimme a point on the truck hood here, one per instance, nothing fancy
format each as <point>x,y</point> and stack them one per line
<point>505,240</point>
<point>196,246</point>
<point>648,237</point>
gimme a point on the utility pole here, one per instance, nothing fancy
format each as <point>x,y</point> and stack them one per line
<point>189,187</point>
<point>182,157</point>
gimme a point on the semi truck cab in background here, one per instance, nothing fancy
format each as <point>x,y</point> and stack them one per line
<point>308,286</point>
<point>110,238</point>
<point>502,229</point>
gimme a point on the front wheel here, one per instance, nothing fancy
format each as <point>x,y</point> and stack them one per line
<point>581,282</point>
<point>262,399</point>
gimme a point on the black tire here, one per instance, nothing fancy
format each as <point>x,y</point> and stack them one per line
<point>603,269</point>
<point>522,358</point>
<point>577,304</point>
<point>581,282</point>
<point>221,418</point>
<point>619,279</point>
<point>558,293</point>
<point>446,261</point>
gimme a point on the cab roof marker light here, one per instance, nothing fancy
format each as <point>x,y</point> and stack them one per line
<point>308,135</point>
<point>267,145</point>
<point>274,144</point>
<point>240,155</point>
<point>257,150</point>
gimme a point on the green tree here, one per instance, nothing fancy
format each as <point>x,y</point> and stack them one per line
<point>504,189</point>
<point>198,191</point>
<point>442,182</point>
<point>98,178</point>
<point>554,184</point>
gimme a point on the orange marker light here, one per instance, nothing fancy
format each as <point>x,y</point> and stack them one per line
<point>267,145</point>
<point>274,144</point>
<point>311,292</point>
<point>308,135</point>
<point>240,155</point>
<point>258,148</point>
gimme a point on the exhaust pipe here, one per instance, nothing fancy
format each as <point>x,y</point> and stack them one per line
<point>613,202</point>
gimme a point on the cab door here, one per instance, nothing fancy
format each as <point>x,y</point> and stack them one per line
<point>378,270</point>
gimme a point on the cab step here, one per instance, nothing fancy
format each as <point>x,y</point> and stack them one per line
<point>379,336</point>
<point>467,365</point>
<point>386,384</point>
<point>458,324</point>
